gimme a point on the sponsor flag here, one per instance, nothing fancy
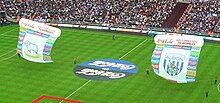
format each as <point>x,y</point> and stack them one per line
<point>35,40</point>
<point>175,58</point>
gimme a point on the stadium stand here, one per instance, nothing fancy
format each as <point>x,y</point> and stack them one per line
<point>217,27</point>
<point>200,17</point>
<point>178,11</point>
<point>10,7</point>
<point>149,12</point>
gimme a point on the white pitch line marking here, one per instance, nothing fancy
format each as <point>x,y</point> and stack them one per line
<point>116,35</point>
<point>9,36</point>
<point>8,57</point>
<point>8,31</point>
<point>7,53</point>
<point>77,89</point>
<point>218,87</point>
<point>91,80</point>
<point>133,49</point>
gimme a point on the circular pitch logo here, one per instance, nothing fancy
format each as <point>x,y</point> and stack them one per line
<point>105,69</point>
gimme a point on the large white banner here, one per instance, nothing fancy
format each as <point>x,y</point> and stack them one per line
<point>175,58</point>
<point>36,40</point>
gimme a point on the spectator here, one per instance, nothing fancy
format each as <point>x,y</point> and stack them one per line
<point>203,17</point>
<point>150,13</point>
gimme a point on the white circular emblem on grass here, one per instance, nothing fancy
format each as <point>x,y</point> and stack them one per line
<point>105,69</point>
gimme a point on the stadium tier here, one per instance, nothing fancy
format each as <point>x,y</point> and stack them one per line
<point>64,81</point>
<point>196,17</point>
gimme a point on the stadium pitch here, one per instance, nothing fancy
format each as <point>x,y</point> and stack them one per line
<point>22,81</point>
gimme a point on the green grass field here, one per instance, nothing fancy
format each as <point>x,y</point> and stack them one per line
<point>22,81</point>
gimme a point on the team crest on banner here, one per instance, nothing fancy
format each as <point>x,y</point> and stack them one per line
<point>173,63</point>
<point>31,49</point>
<point>175,57</point>
<point>36,40</point>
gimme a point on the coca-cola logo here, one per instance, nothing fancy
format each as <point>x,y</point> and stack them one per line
<point>27,24</point>
<point>105,69</point>
<point>168,40</point>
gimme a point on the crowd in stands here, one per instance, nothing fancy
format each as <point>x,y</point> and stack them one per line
<point>203,17</point>
<point>9,6</point>
<point>217,28</point>
<point>1,5</point>
<point>151,13</point>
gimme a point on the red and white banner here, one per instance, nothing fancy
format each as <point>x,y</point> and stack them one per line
<point>40,27</point>
<point>185,40</point>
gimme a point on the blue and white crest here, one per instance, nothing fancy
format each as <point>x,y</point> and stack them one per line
<point>173,63</point>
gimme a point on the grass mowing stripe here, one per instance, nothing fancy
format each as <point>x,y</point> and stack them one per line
<point>8,57</point>
<point>25,81</point>
<point>133,49</point>
<point>7,53</point>
<point>8,31</point>
<point>103,33</point>
<point>9,36</point>
<point>77,89</point>
<point>119,58</point>
<point>212,45</point>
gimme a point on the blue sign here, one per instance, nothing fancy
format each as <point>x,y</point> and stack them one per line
<point>105,69</point>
